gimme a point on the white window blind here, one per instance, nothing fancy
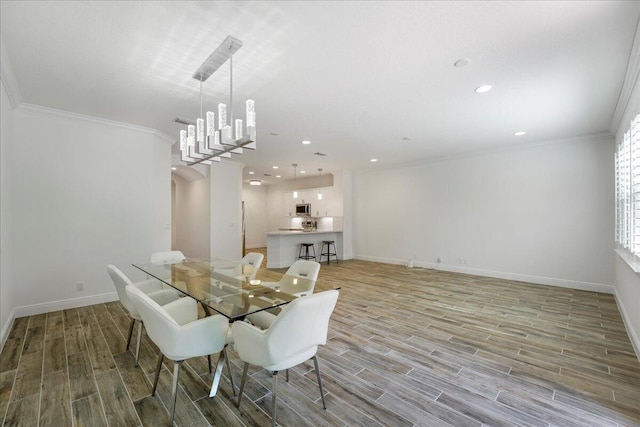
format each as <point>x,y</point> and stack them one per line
<point>635,185</point>
<point>627,177</point>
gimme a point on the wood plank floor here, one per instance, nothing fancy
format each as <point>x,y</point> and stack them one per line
<point>407,347</point>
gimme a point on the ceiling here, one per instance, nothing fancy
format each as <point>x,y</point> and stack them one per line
<point>360,80</point>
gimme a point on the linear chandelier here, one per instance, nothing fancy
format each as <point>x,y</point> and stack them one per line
<point>205,141</point>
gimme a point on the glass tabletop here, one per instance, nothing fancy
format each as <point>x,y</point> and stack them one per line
<point>228,287</point>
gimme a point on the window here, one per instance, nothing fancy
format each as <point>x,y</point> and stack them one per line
<point>627,175</point>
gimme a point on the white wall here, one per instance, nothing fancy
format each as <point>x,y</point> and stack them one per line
<point>86,193</point>
<point>540,213</point>
<point>255,210</point>
<point>626,281</point>
<point>226,209</point>
<point>7,283</point>
<point>191,217</point>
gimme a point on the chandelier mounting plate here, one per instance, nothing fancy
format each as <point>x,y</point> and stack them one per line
<point>228,47</point>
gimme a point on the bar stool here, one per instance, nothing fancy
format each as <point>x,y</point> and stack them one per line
<point>304,251</point>
<point>329,253</point>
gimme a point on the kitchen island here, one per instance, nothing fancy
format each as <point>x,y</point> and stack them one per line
<point>283,246</point>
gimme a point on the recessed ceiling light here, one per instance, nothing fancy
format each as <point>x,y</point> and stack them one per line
<point>462,62</point>
<point>483,88</point>
<point>174,168</point>
<point>306,142</point>
<point>303,171</point>
<point>275,167</point>
<point>374,160</point>
<point>251,172</point>
<point>278,176</point>
<point>255,182</point>
<point>520,133</point>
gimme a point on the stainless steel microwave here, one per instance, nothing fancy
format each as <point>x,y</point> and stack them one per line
<point>303,209</point>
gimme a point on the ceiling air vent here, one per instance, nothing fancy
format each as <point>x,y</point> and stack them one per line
<point>317,153</point>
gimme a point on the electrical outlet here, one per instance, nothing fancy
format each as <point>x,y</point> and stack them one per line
<point>79,287</point>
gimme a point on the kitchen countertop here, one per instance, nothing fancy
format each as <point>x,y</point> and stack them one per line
<point>298,232</point>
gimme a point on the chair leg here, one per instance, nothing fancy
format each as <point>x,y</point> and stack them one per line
<point>315,362</point>
<point>244,379</point>
<point>138,343</point>
<point>207,311</point>
<point>226,359</point>
<point>158,368</point>
<point>174,388</point>
<point>209,360</point>
<point>274,376</point>
<point>287,377</point>
<point>218,374</point>
<point>133,322</point>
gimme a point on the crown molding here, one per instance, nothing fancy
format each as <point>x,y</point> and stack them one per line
<point>630,81</point>
<point>8,78</point>
<point>77,116</point>
<point>599,137</point>
<point>15,98</point>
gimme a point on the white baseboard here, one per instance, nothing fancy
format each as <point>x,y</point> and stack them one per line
<point>31,310</point>
<point>633,334</point>
<point>346,256</point>
<point>255,246</point>
<point>381,259</point>
<point>46,307</point>
<point>7,328</point>
<point>537,280</point>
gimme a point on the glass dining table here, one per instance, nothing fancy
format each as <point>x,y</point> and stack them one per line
<point>228,287</point>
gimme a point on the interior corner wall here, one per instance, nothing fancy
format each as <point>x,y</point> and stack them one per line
<point>191,217</point>
<point>86,194</point>
<point>539,213</point>
<point>626,281</point>
<point>255,208</point>
<point>226,209</point>
<point>7,283</point>
<point>346,182</point>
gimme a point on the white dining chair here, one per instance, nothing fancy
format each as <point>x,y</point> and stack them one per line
<point>300,268</point>
<point>306,269</point>
<point>168,257</point>
<point>151,287</point>
<point>292,338</point>
<point>253,259</point>
<point>180,335</point>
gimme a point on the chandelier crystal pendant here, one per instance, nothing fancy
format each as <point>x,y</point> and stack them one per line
<point>319,189</point>
<point>205,140</point>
